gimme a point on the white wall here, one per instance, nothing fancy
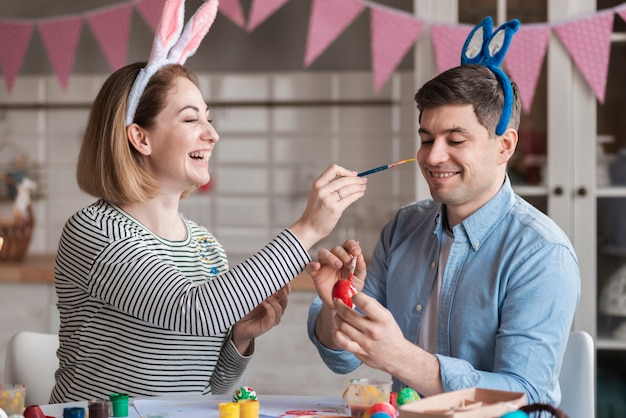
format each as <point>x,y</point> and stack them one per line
<point>264,164</point>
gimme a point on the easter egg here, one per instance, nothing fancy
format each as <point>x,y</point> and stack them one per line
<point>406,395</point>
<point>244,393</point>
<point>380,410</point>
<point>344,290</point>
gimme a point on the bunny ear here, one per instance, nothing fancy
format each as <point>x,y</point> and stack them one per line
<point>498,44</point>
<point>472,52</point>
<point>168,31</point>
<point>170,46</point>
<point>194,32</point>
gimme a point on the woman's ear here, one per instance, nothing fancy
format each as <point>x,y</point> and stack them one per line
<point>508,143</point>
<point>138,138</point>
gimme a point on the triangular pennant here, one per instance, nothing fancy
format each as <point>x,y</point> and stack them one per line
<point>233,11</point>
<point>111,27</point>
<point>260,10</point>
<point>14,40</point>
<point>621,11</point>
<point>588,41</point>
<point>393,33</point>
<point>448,41</point>
<point>329,18</point>
<point>150,11</point>
<point>524,59</point>
<point>60,38</point>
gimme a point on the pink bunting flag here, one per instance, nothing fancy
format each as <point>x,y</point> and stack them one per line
<point>111,27</point>
<point>621,11</point>
<point>60,38</point>
<point>328,19</point>
<point>150,11</point>
<point>14,40</point>
<point>448,41</point>
<point>524,59</point>
<point>393,34</point>
<point>233,11</point>
<point>588,41</point>
<point>260,10</point>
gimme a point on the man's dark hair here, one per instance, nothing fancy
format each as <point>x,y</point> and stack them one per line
<point>470,84</point>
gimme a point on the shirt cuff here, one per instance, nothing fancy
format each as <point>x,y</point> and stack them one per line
<point>339,361</point>
<point>457,374</point>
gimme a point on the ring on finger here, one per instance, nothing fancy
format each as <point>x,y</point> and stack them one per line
<point>339,194</point>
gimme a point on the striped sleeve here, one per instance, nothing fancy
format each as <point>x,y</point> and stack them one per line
<point>132,276</point>
<point>229,368</point>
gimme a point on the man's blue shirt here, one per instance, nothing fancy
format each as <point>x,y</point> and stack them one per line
<point>510,288</point>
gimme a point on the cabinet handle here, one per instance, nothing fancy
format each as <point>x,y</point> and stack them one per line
<point>558,191</point>
<point>581,191</point>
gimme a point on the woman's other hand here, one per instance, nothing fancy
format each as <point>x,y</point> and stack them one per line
<point>262,318</point>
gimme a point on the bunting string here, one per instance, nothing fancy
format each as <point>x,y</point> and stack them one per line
<point>587,39</point>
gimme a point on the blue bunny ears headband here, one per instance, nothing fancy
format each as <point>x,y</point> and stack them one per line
<point>486,48</point>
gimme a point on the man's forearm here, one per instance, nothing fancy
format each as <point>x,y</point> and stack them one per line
<point>325,326</point>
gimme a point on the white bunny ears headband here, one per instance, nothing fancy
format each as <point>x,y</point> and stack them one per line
<point>173,44</point>
<point>486,48</point>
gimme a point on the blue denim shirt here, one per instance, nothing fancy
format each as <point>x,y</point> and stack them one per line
<point>508,295</point>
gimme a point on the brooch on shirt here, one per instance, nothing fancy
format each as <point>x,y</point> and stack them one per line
<point>203,251</point>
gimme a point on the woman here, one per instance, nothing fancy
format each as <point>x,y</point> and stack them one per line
<point>148,304</point>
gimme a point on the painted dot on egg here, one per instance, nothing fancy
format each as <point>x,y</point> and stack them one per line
<point>244,393</point>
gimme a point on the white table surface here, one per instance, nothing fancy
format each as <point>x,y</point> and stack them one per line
<point>270,406</point>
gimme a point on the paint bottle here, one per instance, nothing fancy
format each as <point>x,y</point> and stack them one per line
<point>98,408</point>
<point>248,408</point>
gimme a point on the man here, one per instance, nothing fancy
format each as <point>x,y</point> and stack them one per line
<point>474,288</point>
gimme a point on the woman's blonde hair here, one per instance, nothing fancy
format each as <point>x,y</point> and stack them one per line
<point>109,167</point>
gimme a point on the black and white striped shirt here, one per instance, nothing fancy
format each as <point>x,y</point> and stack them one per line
<point>147,316</point>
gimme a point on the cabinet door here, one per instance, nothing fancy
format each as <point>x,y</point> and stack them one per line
<point>611,196</point>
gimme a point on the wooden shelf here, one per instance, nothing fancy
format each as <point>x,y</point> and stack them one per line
<point>33,269</point>
<point>40,269</point>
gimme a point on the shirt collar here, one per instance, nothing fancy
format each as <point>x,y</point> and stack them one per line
<point>477,227</point>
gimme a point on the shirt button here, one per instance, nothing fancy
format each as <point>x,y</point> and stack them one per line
<point>433,264</point>
<point>418,308</point>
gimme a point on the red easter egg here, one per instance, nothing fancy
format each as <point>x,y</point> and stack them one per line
<point>344,290</point>
<point>380,410</point>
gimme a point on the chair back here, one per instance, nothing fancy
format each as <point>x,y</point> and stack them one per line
<point>577,378</point>
<point>31,360</point>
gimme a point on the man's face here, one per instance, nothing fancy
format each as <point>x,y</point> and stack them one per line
<point>462,165</point>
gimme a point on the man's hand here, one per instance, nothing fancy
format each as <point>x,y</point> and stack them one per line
<point>334,264</point>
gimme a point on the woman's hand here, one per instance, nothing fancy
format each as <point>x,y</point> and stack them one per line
<point>332,192</point>
<point>262,318</point>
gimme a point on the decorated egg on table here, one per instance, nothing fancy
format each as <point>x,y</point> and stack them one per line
<point>244,393</point>
<point>380,410</point>
<point>344,290</point>
<point>407,395</point>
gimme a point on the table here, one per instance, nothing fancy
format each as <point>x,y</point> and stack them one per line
<point>270,406</point>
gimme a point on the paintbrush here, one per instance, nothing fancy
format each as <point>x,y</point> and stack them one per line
<point>352,268</point>
<point>385,167</point>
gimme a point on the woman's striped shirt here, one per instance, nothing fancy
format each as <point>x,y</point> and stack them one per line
<point>147,316</point>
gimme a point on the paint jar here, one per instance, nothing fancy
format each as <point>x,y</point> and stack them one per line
<point>98,408</point>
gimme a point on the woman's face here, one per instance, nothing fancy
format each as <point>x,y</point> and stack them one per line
<point>182,140</point>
